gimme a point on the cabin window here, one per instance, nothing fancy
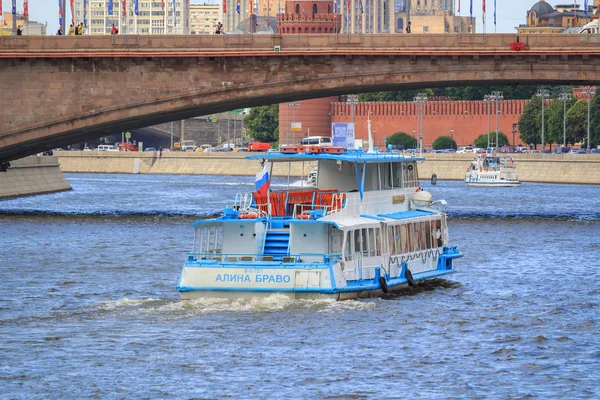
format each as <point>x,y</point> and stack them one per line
<point>428,238</point>
<point>210,239</point>
<point>378,250</point>
<point>437,232</point>
<point>393,176</point>
<point>410,176</point>
<point>349,246</point>
<point>392,240</point>
<point>407,241</point>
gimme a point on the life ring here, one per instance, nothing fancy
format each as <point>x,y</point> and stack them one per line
<point>494,169</point>
<point>303,216</point>
<point>480,169</point>
<point>247,216</point>
<point>486,169</point>
<point>383,284</point>
<point>408,275</point>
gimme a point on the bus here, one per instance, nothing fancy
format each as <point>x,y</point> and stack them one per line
<point>316,141</point>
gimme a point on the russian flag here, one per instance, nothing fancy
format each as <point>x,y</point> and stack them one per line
<point>262,181</point>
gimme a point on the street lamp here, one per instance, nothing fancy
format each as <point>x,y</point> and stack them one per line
<point>420,99</point>
<point>543,93</point>
<point>293,104</point>
<point>564,97</point>
<point>488,99</point>
<point>589,92</point>
<point>352,99</point>
<point>496,97</point>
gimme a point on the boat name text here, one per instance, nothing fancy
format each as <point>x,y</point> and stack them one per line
<point>264,278</point>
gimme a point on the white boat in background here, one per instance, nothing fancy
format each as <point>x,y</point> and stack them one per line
<point>366,229</point>
<point>492,170</point>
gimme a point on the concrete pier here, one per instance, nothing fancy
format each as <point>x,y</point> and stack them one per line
<point>32,175</point>
<point>548,168</point>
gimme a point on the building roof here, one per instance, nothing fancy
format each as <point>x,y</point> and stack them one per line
<point>541,8</point>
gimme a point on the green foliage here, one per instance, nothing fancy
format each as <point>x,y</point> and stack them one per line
<point>263,123</point>
<point>595,120</point>
<point>577,121</point>
<point>402,140</point>
<point>530,122</point>
<point>512,92</point>
<point>444,142</point>
<point>555,115</point>
<point>482,140</point>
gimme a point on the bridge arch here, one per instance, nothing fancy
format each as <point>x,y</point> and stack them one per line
<point>118,90</point>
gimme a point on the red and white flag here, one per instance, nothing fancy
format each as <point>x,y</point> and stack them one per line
<point>483,15</point>
<point>25,9</point>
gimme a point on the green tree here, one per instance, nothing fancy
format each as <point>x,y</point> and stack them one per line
<point>402,140</point>
<point>530,122</point>
<point>263,123</point>
<point>444,142</point>
<point>555,115</point>
<point>577,121</point>
<point>595,120</point>
<point>482,140</point>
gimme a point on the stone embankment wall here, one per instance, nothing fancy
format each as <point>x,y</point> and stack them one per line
<point>552,168</point>
<point>32,175</point>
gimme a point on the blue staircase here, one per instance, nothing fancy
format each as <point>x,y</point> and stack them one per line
<point>276,244</point>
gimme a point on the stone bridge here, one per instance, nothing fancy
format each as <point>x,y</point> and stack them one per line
<point>61,90</point>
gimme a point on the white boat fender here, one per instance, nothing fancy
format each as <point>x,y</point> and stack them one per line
<point>383,284</point>
<point>409,278</point>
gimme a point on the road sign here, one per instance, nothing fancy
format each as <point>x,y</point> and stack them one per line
<point>296,126</point>
<point>214,118</point>
<point>127,135</point>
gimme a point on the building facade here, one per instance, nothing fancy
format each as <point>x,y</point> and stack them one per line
<point>151,18</point>
<point>543,18</point>
<point>204,18</point>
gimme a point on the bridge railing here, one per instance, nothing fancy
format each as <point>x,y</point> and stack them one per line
<point>300,42</point>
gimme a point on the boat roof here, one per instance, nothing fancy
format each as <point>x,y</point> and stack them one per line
<point>358,221</point>
<point>353,156</point>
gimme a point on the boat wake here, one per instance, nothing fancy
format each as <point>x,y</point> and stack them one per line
<point>273,303</point>
<point>520,215</point>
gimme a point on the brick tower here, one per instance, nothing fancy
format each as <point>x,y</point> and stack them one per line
<point>304,16</point>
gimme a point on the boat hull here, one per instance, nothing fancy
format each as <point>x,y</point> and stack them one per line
<point>235,281</point>
<point>494,184</point>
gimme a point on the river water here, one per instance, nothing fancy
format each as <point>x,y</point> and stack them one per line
<point>89,309</point>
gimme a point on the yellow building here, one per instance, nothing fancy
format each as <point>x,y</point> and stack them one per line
<point>543,18</point>
<point>151,18</point>
<point>6,24</point>
<point>204,18</point>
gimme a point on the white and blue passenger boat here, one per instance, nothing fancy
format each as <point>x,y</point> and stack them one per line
<point>492,170</point>
<point>365,229</point>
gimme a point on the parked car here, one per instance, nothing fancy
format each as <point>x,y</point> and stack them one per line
<point>581,151</point>
<point>465,149</point>
<point>87,148</point>
<point>107,147</point>
<point>562,150</point>
<point>149,149</point>
<point>594,151</point>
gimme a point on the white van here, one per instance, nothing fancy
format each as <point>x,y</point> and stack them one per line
<point>107,147</point>
<point>465,149</point>
<point>316,141</point>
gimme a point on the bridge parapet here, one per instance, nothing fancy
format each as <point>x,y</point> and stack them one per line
<point>227,45</point>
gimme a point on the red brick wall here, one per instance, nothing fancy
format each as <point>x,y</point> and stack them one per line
<point>313,114</point>
<point>468,119</point>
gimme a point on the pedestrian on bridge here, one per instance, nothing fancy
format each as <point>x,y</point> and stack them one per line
<point>114,30</point>
<point>71,30</point>
<point>408,27</point>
